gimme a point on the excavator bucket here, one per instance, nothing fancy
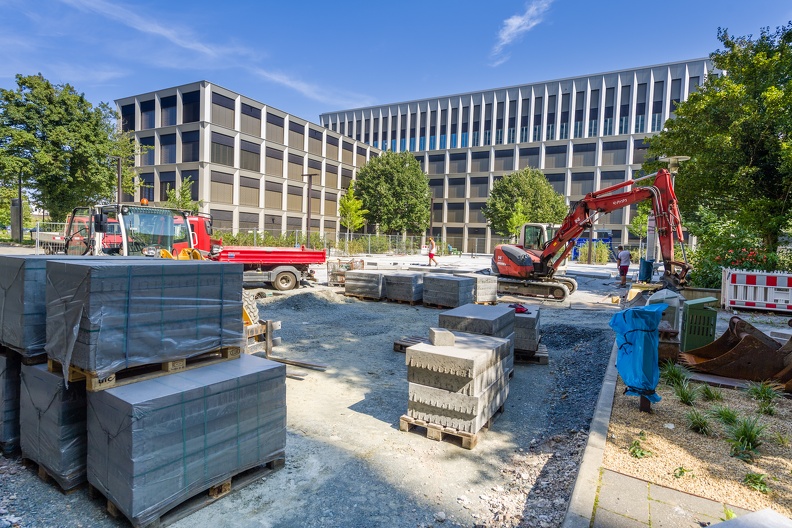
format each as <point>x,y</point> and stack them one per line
<point>743,352</point>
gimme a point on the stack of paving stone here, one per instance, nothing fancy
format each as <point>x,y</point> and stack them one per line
<point>52,424</point>
<point>457,382</point>
<point>448,290</point>
<point>496,321</point>
<point>406,286</point>
<point>155,443</point>
<point>527,334</point>
<point>368,284</point>
<point>486,290</point>
<point>9,402</point>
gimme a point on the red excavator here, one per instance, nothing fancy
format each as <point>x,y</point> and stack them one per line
<point>531,272</point>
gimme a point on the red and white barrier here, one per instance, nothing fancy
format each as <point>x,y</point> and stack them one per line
<point>757,290</point>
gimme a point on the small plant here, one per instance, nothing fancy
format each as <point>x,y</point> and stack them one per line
<point>687,392</point>
<point>745,437</point>
<point>637,451</point>
<point>710,393</point>
<point>764,391</point>
<point>767,407</point>
<point>673,374</point>
<point>781,439</point>
<point>726,415</point>
<point>728,514</point>
<point>756,481</point>
<point>698,422</point>
<point>681,472</point>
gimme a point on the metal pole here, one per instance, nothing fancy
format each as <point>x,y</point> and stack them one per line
<point>21,232</point>
<point>308,227</point>
<point>118,171</point>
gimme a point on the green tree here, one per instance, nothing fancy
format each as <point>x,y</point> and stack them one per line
<point>737,130</point>
<point>395,192</point>
<point>63,147</point>
<point>350,209</point>
<point>523,197</point>
<point>8,193</point>
<point>181,198</point>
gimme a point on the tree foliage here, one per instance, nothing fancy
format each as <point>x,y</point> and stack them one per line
<point>62,145</point>
<point>736,129</point>
<point>638,223</point>
<point>9,192</point>
<point>523,197</point>
<point>181,198</point>
<point>350,209</point>
<point>395,192</point>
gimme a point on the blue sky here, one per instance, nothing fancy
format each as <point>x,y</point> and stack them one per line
<point>308,57</point>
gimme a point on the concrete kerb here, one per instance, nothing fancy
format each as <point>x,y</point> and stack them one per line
<point>584,495</point>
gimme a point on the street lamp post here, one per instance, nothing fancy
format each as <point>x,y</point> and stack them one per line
<point>308,225</point>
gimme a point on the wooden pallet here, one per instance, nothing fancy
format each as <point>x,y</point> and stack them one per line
<point>362,297</point>
<point>439,432</point>
<point>200,499</point>
<point>46,476</point>
<point>438,306</point>
<point>539,357</point>
<point>94,383</point>
<point>402,301</point>
<point>402,344</point>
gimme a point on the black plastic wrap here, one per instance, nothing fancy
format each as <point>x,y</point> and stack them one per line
<point>9,401</point>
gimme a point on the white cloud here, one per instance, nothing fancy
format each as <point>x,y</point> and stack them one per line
<point>516,26</point>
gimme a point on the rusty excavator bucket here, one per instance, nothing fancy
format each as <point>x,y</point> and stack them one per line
<point>743,352</point>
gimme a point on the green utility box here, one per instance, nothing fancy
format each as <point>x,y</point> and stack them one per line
<point>698,323</point>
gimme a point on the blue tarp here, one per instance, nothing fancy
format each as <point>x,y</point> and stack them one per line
<point>637,341</point>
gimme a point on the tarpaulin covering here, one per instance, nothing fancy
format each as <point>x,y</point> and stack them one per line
<point>637,341</point>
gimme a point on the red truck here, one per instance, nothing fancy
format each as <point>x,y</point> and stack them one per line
<point>284,268</point>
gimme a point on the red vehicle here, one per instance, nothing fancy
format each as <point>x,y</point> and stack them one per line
<point>532,271</point>
<point>284,268</point>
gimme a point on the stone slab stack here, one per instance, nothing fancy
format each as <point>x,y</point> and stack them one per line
<point>406,286</point>
<point>495,321</point>
<point>527,330</point>
<point>364,283</point>
<point>10,365</point>
<point>53,425</point>
<point>106,315</point>
<point>155,443</point>
<point>486,290</point>
<point>447,290</point>
<point>459,385</point>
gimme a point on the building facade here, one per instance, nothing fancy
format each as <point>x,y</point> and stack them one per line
<point>585,133</point>
<point>248,161</point>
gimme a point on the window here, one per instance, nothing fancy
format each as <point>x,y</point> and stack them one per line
<point>251,120</point>
<point>580,101</point>
<point>465,125</point>
<point>275,128</point>
<point>499,123</point>
<point>555,156</point>
<point>168,111</point>
<point>657,106</point>
<point>487,123</point>
<point>584,155</point>
<point>443,128</point>
<point>249,192</point>
<point>295,169</point>
<point>167,182</point>
<point>436,188</point>
<point>529,157</point>
<point>420,160</point>
<point>249,221</point>
<point>250,155</point>
<point>558,182</point>
<point>296,135</point>
<point>456,187</point>
<point>693,84</point>
<point>222,187</point>
<point>437,212</point>
<point>146,114</point>
<point>330,204</point>
<point>456,213</point>
<point>222,149</point>
<point>294,198</point>
<point>273,197</point>
<point>332,148</point>
<point>433,130</point>
<point>346,154</point>
<point>479,161</point>
<point>582,183</point>
<point>476,124</point>
<point>614,153</point>
<point>191,107</point>
<point>190,177</point>
<point>639,151</point>
<point>454,126</point>
<point>436,164</point>
<point>563,128</point>
<point>273,223</point>
<point>607,118</point>
<point>146,186</point>
<point>593,124</point>
<point>479,187</point>
<point>551,117</point>
<point>504,160</point>
<point>537,120</point>
<point>526,108</point>
<point>316,201</point>
<point>222,219</point>
<point>457,163</point>
<point>346,178</point>
<point>676,93</point>
<point>315,141</point>
<point>222,110</point>
<point>331,176</point>
<point>624,110</point>
<point>147,150</point>
<point>190,146</point>
<point>274,162</point>
<point>640,109</point>
<point>168,148</point>
<point>361,156</point>
<point>128,117</point>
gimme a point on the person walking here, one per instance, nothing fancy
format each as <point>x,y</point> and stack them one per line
<point>432,249</point>
<point>623,262</point>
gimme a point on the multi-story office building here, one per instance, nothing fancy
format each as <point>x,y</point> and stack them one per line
<point>248,161</point>
<point>585,133</point>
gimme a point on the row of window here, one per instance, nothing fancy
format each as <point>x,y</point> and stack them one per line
<point>273,224</point>
<point>519,121</point>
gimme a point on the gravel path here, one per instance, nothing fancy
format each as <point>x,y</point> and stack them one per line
<point>347,462</point>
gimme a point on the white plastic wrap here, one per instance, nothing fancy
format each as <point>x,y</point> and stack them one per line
<point>155,443</point>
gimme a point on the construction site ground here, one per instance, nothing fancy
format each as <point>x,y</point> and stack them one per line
<point>347,463</point>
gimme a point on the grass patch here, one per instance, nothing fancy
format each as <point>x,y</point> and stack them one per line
<point>726,415</point>
<point>767,407</point>
<point>756,481</point>
<point>698,422</point>
<point>687,392</point>
<point>681,472</point>
<point>745,437</point>
<point>710,394</point>
<point>673,374</point>
<point>764,391</point>
<point>781,439</point>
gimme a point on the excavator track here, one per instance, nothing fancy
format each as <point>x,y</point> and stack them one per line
<point>551,290</point>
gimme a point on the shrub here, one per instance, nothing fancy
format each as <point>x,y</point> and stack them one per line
<point>687,392</point>
<point>745,437</point>
<point>767,407</point>
<point>637,451</point>
<point>698,422</point>
<point>673,374</point>
<point>764,391</point>
<point>726,415</point>
<point>601,253</point>
<point>710,393</point>
<point>756,481</point>
<point>781,439</point>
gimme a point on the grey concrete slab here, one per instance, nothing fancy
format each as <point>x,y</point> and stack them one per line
<point>471,355</point>
<point>675,516</point>
<point>609,519</point>
<point>478,319</point>
<point>461,384</point>
<point>689,503</point>
<point>624,495</point>
<point>469,422</point>
<point>441,337</point>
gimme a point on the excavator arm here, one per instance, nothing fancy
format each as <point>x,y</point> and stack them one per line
<point>594,204</point>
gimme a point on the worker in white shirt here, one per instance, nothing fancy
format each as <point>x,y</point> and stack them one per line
<point>623,261</point>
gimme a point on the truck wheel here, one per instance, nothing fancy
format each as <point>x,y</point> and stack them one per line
<point>285,281</point>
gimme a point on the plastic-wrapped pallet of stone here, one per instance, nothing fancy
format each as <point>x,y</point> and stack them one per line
<point>496,321</point>
<point>448,290</point>
<point>486,290</point>
<point>52,424</point>
<point>364,283</point>
<point>9,401</point>
<point>404,286</point>
<point>527,330</point>
<point>106,315</point>
<point>461,385</point>
<point>156,443</point>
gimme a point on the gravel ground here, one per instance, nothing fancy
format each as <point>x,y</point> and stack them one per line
<point>347,462</point>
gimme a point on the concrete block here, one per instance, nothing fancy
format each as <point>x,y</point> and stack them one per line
<point>527,320</point>
<point>441,337</point>
<point>404,286</point>
<point>471,355</point>
<point>478,319</point>
<point>461,384</point>
<point>471,413</point>
<point>364,283</point>
<point>447,290</point>
<point>486,289</point>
